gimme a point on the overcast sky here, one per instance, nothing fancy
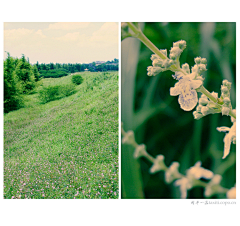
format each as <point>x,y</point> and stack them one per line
<point>62,42</point>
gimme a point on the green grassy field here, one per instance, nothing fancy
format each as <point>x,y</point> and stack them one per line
<point>67,148</point>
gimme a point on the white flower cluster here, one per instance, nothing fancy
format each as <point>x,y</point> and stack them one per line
<point>225,95</point>
<point>171,172</point>
<point>177,49</point>
<point>191,179</point>
<point>160,65</point>
<point>206,106</point>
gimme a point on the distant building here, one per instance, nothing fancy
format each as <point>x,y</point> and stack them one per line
<point>99,62</point>
<point>85,69</point>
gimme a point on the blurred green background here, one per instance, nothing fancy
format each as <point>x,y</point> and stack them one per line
<point>156,117</point>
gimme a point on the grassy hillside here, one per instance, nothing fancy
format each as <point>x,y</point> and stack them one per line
<point>66,148</point>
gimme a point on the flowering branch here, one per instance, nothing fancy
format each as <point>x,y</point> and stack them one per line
<point>185,182</point>
<point>188,82</point>
<point>173,63</point>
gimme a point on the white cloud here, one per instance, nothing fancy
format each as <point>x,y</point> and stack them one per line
<point>68,25</point>
<point>39,32</point>
<point>71,37</point>
<point>107,34</point>
<point>14,34</point>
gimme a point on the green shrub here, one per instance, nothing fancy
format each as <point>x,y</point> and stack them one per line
<point>67,90</point>
<point>50,93</point>
<point>77,79</point>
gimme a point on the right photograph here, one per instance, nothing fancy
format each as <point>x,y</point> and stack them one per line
<point>178,110</point>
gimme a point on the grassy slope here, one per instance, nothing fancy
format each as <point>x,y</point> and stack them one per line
<point>66,148</point>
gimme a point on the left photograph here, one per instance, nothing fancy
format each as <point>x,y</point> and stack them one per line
<point>61,110</point>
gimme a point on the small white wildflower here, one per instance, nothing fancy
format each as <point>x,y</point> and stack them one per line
<point>229,137</point>
<point>172,172</point>
<point>185,185</point>
<point>140,151</point>
<point>213,186</point>
<point>158,164</point>
<point>185,88</point>
<point>198,172</point>
<point>231,194</point>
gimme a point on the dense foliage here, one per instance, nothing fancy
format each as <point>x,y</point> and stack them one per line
<point>19,78</point>
<point>55,92</point>
<point>77,79</point>
<point>54,73</point>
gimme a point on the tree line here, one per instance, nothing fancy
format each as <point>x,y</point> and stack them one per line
<point>20,76</point>
<point>52,70</point>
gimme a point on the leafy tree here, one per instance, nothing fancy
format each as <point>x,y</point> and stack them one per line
<point>36,73</point>
<point>25,74</point>
<point>12,89</point>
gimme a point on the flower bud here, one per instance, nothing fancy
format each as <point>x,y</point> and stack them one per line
<point>201,68</point>
<point>185,67</point>
<point>197,60</point>
<point>181,44</point>
<point>214,94</point>
<point>205,110</point>
<point>225,82</point>
<point>225,111</point>
<point>226,100</point>
<point>199,107</point>
<point>140,151</point>
<point>203,60</point>
<point>173,56</point>
<point>158,164</point>
<point>175,52</point>
<point>203,101</point>
<point>157,62</point>
<point>224,90</point>
<point>172,172</point>
<point>197,115</point>
<point>163,51</point>
<point>152,71</point>
<point>154,56</point>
